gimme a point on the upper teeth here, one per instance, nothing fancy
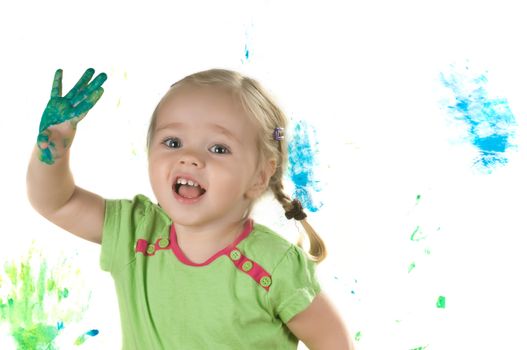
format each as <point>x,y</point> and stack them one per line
<point>186,182</point>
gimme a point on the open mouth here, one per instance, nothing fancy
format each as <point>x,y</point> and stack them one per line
<point>189,189</point>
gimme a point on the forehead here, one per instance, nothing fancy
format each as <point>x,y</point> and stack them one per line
<point>203,106</point>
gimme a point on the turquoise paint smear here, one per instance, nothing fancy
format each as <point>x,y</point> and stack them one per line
<point>247,45</point>
<point>302,159</point>
<point>491,123</point>
<point>80,340</point>
<point>31,289</point>
<point>246,53</point>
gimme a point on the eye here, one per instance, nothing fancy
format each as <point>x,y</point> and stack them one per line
<point>172,142</point>
<point>219,149</point>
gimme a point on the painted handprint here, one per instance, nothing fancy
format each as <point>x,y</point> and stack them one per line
<point>60,118</point>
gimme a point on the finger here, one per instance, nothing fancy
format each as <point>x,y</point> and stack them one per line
<point>56,90</point>
<point>86,77</point>
<point>93,86</point>
<point>84,106</point>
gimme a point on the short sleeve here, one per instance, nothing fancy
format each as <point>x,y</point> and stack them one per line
<point>294,284</point>
<point>121,220</point>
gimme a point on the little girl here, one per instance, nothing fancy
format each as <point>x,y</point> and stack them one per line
<point>194,271</point>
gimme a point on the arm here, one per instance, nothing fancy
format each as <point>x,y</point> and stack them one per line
<point>320,327</point>
<point>50,185</point>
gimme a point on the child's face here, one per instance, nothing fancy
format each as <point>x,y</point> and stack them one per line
<point>202,135</point>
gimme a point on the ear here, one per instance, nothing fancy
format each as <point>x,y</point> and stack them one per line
<point>261,180</point>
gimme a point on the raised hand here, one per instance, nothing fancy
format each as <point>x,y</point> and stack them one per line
<point>60,118</point>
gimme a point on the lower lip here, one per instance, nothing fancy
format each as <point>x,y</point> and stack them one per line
<point>185,200</point>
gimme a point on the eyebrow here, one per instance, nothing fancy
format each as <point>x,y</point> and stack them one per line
<point>221,129</point>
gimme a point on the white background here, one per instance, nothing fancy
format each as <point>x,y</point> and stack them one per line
<point>365,75</point>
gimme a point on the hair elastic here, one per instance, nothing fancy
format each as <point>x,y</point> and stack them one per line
<point>278,134</point>
<point>296,211</point>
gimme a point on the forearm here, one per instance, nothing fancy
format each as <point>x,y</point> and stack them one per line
<point>49,186</point>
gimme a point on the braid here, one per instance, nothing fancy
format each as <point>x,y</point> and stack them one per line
<point>293,209</point>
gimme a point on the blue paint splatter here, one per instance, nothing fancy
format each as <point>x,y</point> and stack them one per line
<point>93,332</point>
<point>302,154</point>
<point>490,120</point>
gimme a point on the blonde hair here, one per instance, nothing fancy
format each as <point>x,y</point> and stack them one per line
<point>259,105</point>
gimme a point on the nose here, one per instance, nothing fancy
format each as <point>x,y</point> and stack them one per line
<point>191,159</point>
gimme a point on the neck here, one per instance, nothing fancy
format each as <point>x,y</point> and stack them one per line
<point>212,236</point>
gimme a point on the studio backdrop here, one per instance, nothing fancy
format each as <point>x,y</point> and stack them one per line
<point>407,146</point>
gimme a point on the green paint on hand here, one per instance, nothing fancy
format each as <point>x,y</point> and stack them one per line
<point>358,335</point>
<point>72,107</point>
<point>441,302</point>
<point>411,267</point>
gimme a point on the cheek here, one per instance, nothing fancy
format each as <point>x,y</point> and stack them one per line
<point>156,168</point>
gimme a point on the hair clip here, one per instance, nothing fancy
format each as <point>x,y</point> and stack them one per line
<point>278,134</point>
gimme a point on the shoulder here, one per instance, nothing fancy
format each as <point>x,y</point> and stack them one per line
<point>125,221</point>
<point>132,212</point>
<point>266,242</point>
<point>271,249</point>
<point>293,274</point>
<point>137,205</point>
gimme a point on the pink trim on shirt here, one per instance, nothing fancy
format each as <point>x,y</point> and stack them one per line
<point>253,269</point>
<point>256,272</point>
<point>142,246</point>
<point>248,227</point>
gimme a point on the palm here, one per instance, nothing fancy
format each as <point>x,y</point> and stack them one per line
<point>58,110</point>
<point>54,135</point>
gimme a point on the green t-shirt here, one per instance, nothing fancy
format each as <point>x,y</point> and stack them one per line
<point>240,298</point>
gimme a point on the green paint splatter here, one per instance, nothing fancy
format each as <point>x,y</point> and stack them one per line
<point>417,199</point>
<point>358,335</point>
<point>32,307</point>
<point>80,340</point>
<point>63,293</point>
<point>420,348</point>
<point>417,235</point>
<point>427,251</point>
<point>411,267</point>
<point>441,302</point>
